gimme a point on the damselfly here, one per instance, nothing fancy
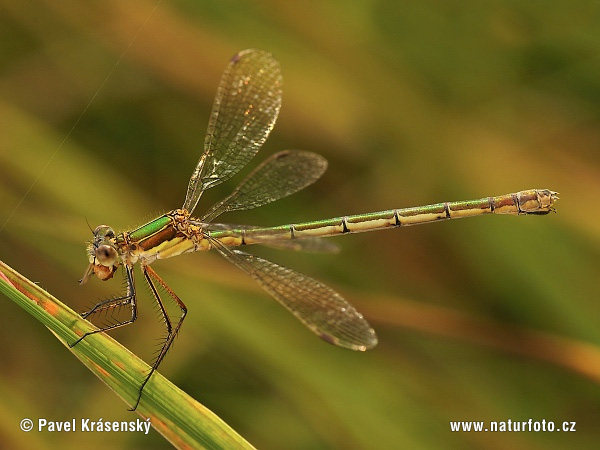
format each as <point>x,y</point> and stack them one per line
<point>245,109</point>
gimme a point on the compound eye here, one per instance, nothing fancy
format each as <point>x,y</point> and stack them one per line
<point>106,255</point>
<point>104,231</point>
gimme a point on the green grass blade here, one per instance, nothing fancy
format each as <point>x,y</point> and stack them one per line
<point>179,418</point>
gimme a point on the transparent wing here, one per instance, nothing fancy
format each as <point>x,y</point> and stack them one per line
<point>244,112</point>
<point>273,239</point>
<point>317,306</point>
<point>308,245</point>
<point>281,175</point>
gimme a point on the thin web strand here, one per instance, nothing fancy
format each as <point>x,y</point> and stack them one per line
<point>59,147</point>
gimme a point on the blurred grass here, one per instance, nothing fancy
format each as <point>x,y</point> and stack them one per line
<point>412,103</point>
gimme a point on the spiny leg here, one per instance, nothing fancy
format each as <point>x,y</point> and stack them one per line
<point>128,299</point>
<point>150,274</point>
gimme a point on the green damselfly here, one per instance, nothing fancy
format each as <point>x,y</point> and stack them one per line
<point>245,109</point>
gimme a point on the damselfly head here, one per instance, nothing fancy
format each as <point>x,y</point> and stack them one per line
<point>102,254</point>
<point>103,231</point>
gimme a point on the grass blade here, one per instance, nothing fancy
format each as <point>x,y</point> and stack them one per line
<point>179,418</point>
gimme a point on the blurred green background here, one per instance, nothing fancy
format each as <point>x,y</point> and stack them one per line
<point>412,103</point>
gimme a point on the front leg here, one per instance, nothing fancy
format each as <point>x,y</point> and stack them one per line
<point>128,299</point>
